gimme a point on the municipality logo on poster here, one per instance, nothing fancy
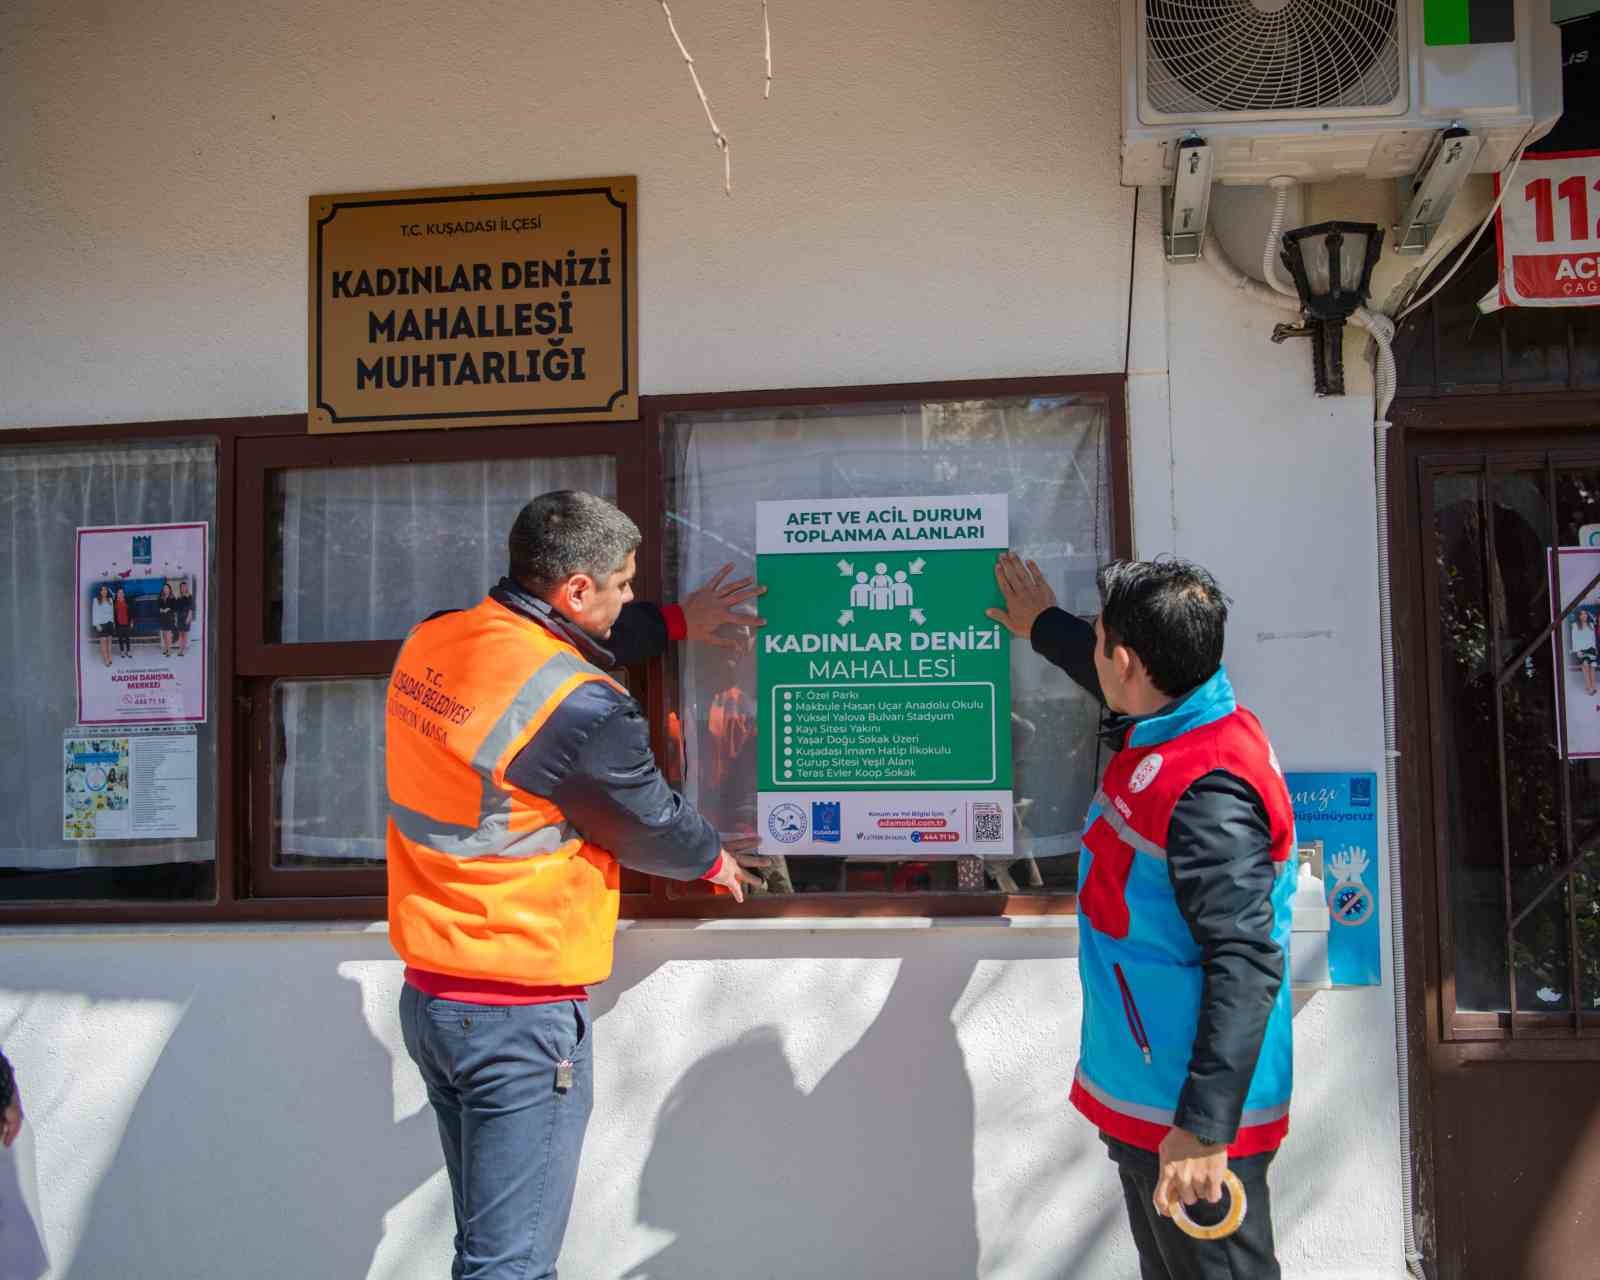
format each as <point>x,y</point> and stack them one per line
<point>825,826</point>
<point>787,822</point>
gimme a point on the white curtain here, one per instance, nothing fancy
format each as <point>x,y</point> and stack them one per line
<point>1047,453</point>
<point>45,495</point>
<point>365,553</point>
<point>368,552</point>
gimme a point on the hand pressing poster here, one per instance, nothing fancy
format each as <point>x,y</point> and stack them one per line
<point>141,613</point>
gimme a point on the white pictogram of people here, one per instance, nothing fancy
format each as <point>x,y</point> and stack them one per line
<point>880,591</point>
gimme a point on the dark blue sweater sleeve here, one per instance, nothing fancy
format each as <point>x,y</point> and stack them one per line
<point>1219,859</point>
<point>639,633</point>
<point>592,758</point>
<point>617,798</point>
<point>8,1083</point>
<point>1067,641</point>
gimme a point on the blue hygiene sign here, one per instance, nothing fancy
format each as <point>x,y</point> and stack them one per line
<point>1339,812</point>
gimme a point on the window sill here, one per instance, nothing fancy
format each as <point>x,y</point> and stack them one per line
<point>247,930</point>
<point>241,930</point>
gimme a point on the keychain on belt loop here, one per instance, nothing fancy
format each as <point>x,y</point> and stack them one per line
<point>1221,1230</point>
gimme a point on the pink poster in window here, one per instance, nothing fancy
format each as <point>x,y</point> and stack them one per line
<point>139,625</point>
<point>1548,231</point>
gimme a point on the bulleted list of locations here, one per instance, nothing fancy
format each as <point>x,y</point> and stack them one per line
<point>921,734</point>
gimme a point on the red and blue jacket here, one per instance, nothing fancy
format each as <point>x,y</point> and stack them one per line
<point>1185,879</point>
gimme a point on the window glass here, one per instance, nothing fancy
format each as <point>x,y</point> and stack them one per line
<point>365,553</point>
<point>61,780</point>
<point>1048,453</point>
<point>1469,812</point>
<point>328,775</point>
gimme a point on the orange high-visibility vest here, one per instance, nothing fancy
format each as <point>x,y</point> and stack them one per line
<point>487,880</point>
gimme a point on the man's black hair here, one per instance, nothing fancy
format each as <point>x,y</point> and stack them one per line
<point>565,532</point>
<point>1169,612</point>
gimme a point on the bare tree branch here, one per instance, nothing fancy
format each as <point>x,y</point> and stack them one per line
<point>766,23</point>
<point>721,138</point>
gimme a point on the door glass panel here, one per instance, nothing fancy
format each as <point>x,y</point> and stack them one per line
<point>1543,956</point>
<point>1502,818</point>
<point>1466,765</point>
<point>1586,885</point>
<point>1520,594</point>
<point>1521,581</point>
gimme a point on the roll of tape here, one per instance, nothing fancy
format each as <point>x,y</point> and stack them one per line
<point>1229,1224</point>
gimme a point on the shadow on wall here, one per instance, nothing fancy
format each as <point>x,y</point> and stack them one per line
<point>746,1168</point>
<point>770,1111</point>
<point>22,1255</point>
<point>265,1141</point>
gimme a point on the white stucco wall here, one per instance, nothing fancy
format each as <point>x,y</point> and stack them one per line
<point>930,194</point>
<point>927,182</point>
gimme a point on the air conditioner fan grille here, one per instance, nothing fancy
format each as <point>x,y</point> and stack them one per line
<point>1270,55</point>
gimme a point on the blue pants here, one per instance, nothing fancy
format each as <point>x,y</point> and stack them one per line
<point>511,1132</point>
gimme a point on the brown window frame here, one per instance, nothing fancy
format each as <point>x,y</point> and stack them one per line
<point>225,434</point>
<point>248,887</point>
<point>261,662</point>
<point>695,901</point>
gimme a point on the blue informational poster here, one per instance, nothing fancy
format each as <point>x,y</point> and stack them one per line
<point>1339,812</point>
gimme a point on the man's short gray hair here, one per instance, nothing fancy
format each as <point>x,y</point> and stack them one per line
<point>567,532</point>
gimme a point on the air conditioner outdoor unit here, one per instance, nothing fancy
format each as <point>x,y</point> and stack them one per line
<point>1321,89</point>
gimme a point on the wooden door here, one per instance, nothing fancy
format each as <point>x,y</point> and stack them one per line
<point>1494,460</point>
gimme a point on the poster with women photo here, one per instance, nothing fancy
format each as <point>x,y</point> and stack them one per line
<point>140,618</point>
<point>1575,647</point>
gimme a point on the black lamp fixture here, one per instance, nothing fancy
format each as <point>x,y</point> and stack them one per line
<point>1331,265</point>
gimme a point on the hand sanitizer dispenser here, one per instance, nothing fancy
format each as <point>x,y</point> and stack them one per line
<point>1308,943</point>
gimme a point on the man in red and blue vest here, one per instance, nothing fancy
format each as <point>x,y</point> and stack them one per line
<point>1184,885</point>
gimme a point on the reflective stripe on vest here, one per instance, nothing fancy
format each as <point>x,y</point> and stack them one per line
<point>1125,833</point>
<point>1158,1115</point>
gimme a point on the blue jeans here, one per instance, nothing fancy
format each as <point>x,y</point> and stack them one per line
<point>511,1133</point>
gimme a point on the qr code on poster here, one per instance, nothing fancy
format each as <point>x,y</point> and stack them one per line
<point>987,824</point>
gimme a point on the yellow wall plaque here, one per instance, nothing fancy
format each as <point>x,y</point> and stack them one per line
<point>474,306</point>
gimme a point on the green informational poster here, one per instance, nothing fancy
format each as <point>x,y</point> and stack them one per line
<point>884,691</point>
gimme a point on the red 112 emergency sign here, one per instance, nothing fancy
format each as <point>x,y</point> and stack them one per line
<point>1548,231</point>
